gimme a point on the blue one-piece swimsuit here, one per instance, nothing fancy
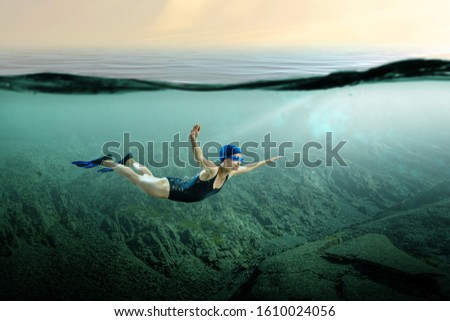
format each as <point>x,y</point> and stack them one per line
<point>192,190</point>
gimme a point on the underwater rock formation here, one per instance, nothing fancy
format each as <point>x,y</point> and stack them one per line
<point>376,250</point>
<point>61,242</point>
<point>369,267</point>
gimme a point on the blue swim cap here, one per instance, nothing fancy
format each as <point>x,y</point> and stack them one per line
<point>228,150</point>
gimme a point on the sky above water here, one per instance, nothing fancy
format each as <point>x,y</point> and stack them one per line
<point>213,24</point>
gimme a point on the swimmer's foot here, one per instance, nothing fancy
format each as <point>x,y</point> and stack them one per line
<point>124,160</point>
<point>99,161</point>
<point>110,164</point>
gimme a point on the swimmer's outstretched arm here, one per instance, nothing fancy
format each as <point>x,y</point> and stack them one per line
<point>249,167</point>
<point>198,154</point>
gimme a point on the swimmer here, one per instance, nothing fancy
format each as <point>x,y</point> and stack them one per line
<point>208,182</point>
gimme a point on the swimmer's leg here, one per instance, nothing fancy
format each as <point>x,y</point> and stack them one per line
<point>138,168</point>
<point>153,186</point>
<point>129,161</point>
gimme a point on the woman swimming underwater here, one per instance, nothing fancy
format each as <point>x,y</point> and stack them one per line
<point>206,183</point>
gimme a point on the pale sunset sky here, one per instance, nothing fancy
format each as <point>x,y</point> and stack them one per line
<point>214,24</point>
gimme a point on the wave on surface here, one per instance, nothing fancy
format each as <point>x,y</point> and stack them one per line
<point>75,84</point>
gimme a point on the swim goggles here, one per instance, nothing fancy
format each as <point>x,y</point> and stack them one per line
<point>237,158</point>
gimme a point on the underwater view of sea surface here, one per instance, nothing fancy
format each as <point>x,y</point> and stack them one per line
<point>356,208</point>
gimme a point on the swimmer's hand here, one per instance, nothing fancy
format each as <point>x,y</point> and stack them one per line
<point>195,131</point>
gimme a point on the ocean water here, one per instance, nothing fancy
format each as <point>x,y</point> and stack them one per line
<point>356,209</point>
<point>197,66</point>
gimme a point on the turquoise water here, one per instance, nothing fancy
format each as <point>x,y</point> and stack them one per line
<point>71,233</point>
